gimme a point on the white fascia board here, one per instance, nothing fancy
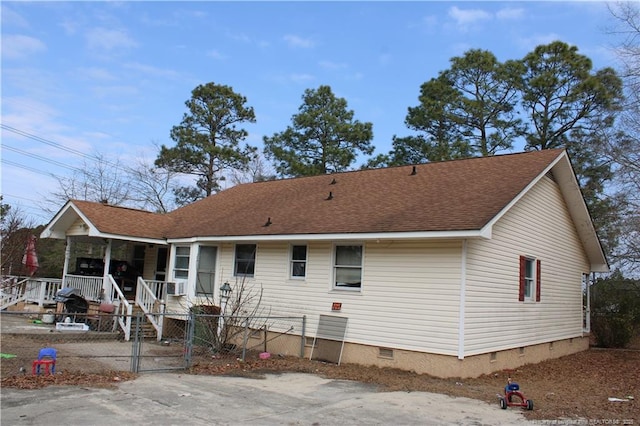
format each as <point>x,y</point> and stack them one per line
<point>130,238</point>
<point>63,219</point>
<point>338,237</point>
<point>565,177</point>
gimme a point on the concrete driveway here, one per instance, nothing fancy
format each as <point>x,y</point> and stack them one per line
<point>287,399</point>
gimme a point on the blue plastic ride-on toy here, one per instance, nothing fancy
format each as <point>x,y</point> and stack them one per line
<point>514,398</point>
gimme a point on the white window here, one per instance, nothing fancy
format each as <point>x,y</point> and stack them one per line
<point>245,263</point>
<point>347,267</point>
<point>529,279</point>
<point>181,265</point>
<point>298,263</point>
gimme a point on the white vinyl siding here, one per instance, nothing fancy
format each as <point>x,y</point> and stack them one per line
<point>409,297</point>
<point>540,226</point>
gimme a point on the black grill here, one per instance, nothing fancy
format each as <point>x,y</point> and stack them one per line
<point>73,301</point>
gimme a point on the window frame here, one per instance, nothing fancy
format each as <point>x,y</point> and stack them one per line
<point>176,267</point>
<point>335,267</point>
<point>530,268</point>
<point>251,262</point>
<point>293,262</point>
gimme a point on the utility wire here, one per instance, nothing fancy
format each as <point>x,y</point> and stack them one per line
<point>45,141</point>
<point>31,169</point>
<point>41,158</point>
<point>57,145</point>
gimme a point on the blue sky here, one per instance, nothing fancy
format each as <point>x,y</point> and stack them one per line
<point>111,78</point>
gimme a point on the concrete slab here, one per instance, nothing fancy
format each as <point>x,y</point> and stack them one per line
<point>287,399</point>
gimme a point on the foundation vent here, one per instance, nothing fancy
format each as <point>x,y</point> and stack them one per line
<point>385,353</point>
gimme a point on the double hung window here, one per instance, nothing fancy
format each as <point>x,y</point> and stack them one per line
<point>245,260</point>
<point>529,279</point>
<point>347,267</point>
<point>181,264</point>
<point>298,263</point>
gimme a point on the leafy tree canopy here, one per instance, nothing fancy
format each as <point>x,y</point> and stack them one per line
<point>323,137</point>
<point>561,94</point>
<point>208,140</point>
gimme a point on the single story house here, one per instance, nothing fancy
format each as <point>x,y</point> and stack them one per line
<point>455,268</point>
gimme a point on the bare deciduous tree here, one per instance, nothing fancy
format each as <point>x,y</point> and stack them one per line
<point>152,188</point>
<point>101,180</point>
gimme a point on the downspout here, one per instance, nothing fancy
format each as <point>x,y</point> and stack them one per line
<point>463,282</point>
<point>587,324</point>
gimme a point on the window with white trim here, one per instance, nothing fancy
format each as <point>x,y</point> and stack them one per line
<point>529,279</point>
<point>245,260</point>
<point>181,262</point>
<point>347,267</point>
<point>298,262</point>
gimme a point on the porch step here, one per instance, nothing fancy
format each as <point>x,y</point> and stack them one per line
<point>148,331</point>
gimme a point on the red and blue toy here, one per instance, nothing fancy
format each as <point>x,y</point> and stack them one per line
<point>513,397</point>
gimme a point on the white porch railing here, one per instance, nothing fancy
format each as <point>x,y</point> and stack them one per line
<point>35,290</point>
<point>149,296</point>
<point>124,309</point>
<point>147,293</point>
<point>90,287</point>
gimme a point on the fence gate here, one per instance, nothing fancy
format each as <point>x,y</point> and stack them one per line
<point>171,352</point>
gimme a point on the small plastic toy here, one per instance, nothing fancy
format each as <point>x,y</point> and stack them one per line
<point>513,397</point>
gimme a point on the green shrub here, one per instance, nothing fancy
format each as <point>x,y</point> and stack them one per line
<point>612,330</point>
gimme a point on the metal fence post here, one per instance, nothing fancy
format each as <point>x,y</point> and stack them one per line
<point>136,349</point>
<point>190,331</point>
<point>245,338</point>
<point>302,336</point>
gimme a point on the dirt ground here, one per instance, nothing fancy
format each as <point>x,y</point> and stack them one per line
<point>572,388</point>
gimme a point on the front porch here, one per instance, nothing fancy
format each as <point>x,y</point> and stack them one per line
<point>39,295</point>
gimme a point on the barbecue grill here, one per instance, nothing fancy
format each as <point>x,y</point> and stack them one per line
<point>73,301</point>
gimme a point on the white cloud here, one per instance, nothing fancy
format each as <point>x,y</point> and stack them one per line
<point>296,41</point>
<point>11,18</point>
<point>108,39</point>
<point>20,46</point>
<point>329,65</point>
<point>29,115</point>
<point>215,54</point>
<point>95,73</point>
<point>509,13</point>
<point>115,91</point>
<point>430,21</point>
<point>301,78</point>
<point>152,71</point>
<point>530,43</point>
<point>465,17</point>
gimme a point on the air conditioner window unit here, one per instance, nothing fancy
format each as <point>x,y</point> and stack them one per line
<point>177,288</point>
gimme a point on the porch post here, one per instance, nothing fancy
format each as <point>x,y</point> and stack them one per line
<point>106,283</point>
<point>67,257</point>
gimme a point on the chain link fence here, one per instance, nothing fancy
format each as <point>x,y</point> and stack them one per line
<point>96,344</point>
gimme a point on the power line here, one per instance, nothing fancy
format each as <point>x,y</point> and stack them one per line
<point>39,157</point>
<point>31,169</point>
<point>58,146</point>
<point>45,141</point>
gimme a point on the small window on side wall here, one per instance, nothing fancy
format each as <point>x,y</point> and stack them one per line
<point>298,267</point>
<point>529,290</point>
<point>181,263</point>
<point>245,262</point>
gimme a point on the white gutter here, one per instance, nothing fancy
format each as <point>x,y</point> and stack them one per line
<point>484,233</point>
